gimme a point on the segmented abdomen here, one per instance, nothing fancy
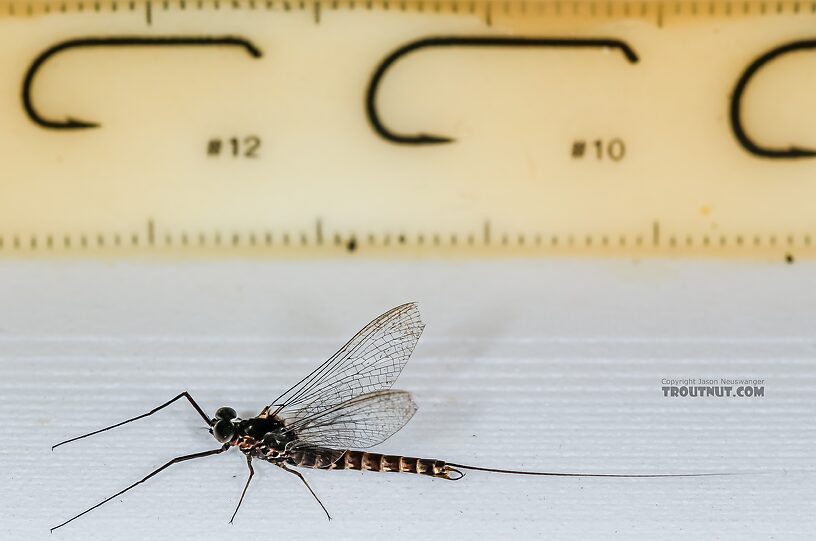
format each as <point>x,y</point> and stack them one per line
<point>359,460</point>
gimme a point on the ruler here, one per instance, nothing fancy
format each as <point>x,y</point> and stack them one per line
<point>397,128</point>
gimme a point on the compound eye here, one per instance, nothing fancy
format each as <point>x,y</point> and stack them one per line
<point>223,431</point>
<point>226,413</point>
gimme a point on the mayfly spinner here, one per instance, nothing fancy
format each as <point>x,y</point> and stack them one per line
<point>345,403</point>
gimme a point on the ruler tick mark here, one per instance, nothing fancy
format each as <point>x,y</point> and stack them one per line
<point>319,232</point>
<point>149,13</point>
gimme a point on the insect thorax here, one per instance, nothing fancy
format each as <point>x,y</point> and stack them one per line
<point>265,437</point>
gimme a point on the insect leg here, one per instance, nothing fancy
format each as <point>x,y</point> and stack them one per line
<point>246,486</point>
<point>154,472</point>
<point>282,465</point>
<point>185,394</point>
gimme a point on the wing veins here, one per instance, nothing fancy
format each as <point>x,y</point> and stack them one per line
<point>319,380</point>
<point>361,422</point>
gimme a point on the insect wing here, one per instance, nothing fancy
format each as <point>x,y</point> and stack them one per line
<point>371,361</point>
<point>361,422</point>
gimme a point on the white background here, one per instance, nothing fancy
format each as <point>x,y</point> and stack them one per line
<point>546,365</point>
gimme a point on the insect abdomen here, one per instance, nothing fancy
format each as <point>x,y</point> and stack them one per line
<point>363,461</point>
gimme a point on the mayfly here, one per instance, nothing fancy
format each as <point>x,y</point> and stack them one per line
<point>345,403</point>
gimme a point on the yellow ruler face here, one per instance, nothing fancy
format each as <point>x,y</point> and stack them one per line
<point>394,128</point>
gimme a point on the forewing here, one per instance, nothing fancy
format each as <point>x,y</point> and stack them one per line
<point>371,361</point>
<point>361,422</point>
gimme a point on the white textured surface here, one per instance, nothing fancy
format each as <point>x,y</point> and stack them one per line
<point>542,365</point>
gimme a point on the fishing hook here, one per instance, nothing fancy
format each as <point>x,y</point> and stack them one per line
<point>76,124</point>
<point>747,143</point>
<point>467,41</point>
